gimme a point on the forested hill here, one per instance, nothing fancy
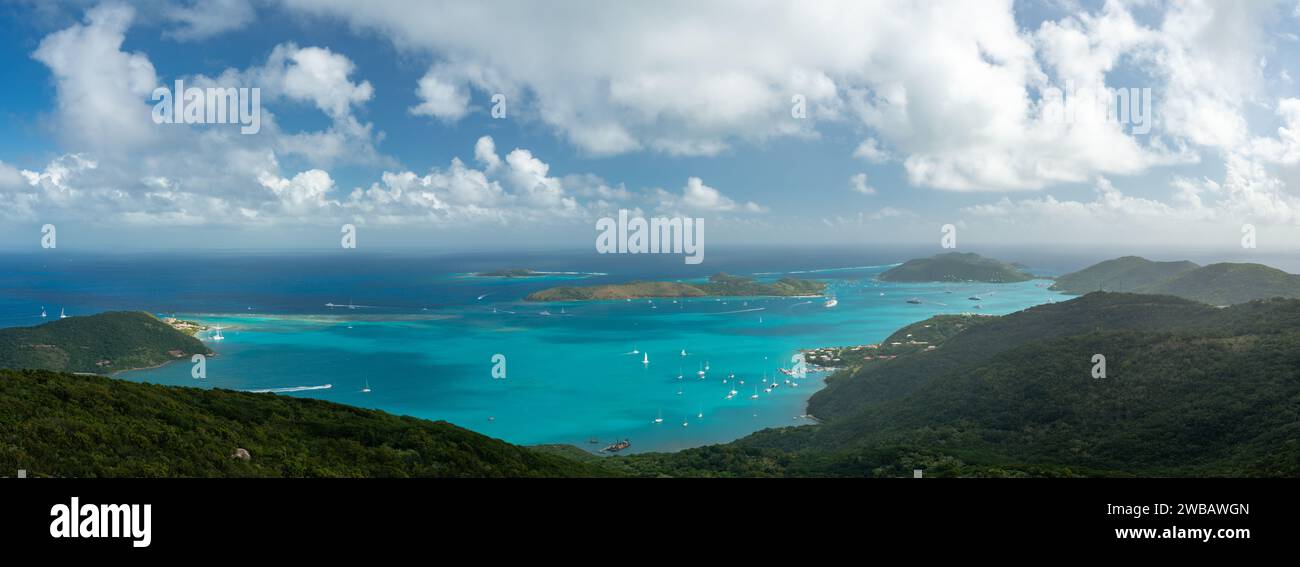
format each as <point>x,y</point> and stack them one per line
<point>102,343</point>
<point>1190,390</point>
<point>1216,284</point>
<point>56,424</point>
<point>955,267</point>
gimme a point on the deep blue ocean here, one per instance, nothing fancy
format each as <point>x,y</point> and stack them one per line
<point>422,332</point>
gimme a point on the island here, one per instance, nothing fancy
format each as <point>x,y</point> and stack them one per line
<point>103,343</point>
<point>509,273</point>
<point>956,267</point>
<point>1224,283</point>
<point>718,285</point>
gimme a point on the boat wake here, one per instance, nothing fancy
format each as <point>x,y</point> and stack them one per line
<point>740,311</point>
<point>290,389</point>
<point>824,270</point>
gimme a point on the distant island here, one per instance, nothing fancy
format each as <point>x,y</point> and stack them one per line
<point>719,285</point>
<point>1216,284</point>
<point>104,343</point>
<point>509,273</point>
<point>956,267</point>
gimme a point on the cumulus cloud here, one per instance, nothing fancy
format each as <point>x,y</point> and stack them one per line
<point>963,113</point>
<point>442,97</point>
<point>101,89</point>
<point>858,182</point>
<point>696,196</point>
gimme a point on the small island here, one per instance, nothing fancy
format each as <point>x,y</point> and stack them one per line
<point>719,285</point>
<point>104,343</point>
<point>956,267</point>
<point>509,273</point>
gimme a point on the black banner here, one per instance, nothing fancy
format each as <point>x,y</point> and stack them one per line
<point>1182,516</point>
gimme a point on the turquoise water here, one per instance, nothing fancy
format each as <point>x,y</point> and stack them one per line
<point>569,377</point>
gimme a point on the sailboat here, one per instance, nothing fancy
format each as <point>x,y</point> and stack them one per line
<point>683,352</point>
<point>366,390</point>
<point>660,419</point>
<point>217,336</point>
<point>686,423</point>
<point>62,314</point>
<point>679,372</point>
<point>645,359</point>
<point>700,415</point>
<point>43,315</point>
<point>755,396</point>
<point>701,371</point>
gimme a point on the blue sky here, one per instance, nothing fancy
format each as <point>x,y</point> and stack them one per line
<point>919,114</point>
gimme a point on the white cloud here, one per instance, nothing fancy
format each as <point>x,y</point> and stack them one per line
<point>858,182</point>
<point>952,89</point>
<point>442,97</point>
<point>485,152</point>
<point>101,89</point>
<point>304,194</point>
<point>696,196</point>
<point>202,19</point>
<point>871,151</point>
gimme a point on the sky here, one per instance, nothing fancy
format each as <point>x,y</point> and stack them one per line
<point>827,122</point>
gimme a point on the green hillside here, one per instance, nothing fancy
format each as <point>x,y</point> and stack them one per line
<point>1127,274</point>
<point>103,343</point>
<point>955,267</point>
<point>1190,391</point>
<point>719,285</point>
<point>55,424</point>
<point>1216,284</point>
<point>1228,284</point>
